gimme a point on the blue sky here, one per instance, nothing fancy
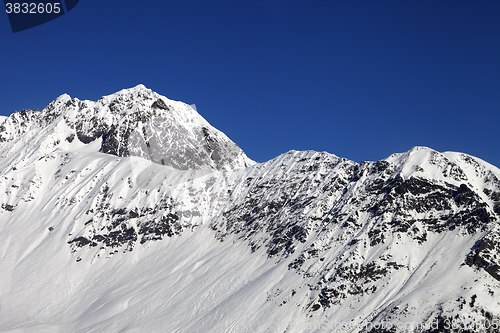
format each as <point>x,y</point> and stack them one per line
<point>359,79</point>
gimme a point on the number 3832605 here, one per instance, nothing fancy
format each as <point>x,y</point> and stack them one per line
<point>33,8</point>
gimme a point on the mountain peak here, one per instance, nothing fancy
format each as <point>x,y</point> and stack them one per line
<point>140,87</point>
<point>137,122</point>
<point>139,90</point>
<point>63,97</point>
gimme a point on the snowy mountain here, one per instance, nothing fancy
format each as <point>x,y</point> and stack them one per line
<point>133,214</point>
<point>132,122</point>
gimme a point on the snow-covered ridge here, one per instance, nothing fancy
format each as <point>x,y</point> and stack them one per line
<point>97,235</point>
<point>132,122</point>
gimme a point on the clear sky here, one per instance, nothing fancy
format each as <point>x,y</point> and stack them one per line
<point>359,79</point>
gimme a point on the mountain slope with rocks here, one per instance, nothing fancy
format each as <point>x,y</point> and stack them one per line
<point>133,214</point>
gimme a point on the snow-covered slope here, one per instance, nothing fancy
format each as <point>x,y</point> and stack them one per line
<point>133,214</point>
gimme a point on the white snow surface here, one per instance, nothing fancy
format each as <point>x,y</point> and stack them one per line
<point>230,264</point>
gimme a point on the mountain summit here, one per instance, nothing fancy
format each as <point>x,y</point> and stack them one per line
<point>133,214</point>
<point>134,122</point>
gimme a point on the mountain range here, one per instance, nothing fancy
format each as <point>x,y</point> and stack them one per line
<point>133,214</point>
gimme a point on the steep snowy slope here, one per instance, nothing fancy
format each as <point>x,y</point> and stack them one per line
<point>98,234</point>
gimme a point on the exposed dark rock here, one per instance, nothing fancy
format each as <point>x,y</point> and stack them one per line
<point>160,104</point>
<point>115,143</point>
<point>484,254</point>
<point>97,130</point>
<point>81,242</point>
<point>156,230</point>
<point>153,223</point>
<point>7,207</point>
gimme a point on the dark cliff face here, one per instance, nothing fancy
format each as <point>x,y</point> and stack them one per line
<point>153,135</point>
<point>486,254</point>
<point>362,208</point>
